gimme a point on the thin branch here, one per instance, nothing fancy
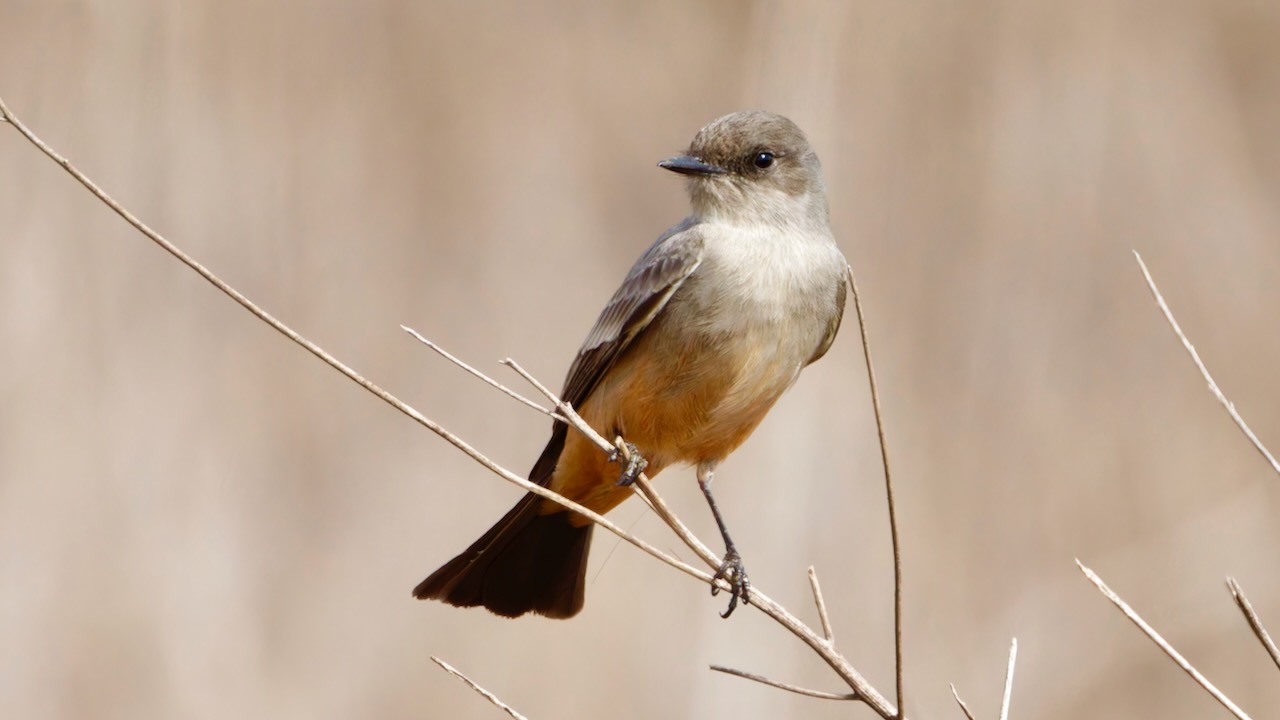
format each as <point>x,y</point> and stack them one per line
<point>822,605</point>
<point>1008,686</point>
<point>1255,622</point>
<point>1195,357</point>
<point>476,686</point>
<point>1008,680</point>
<point>1150,632</point>
<point>682,531</point>
<point>484,378</point>
<point>888,489</point>
<point>963,708</point>
<point>838,663</point>
<point>570,415</point>
<point>821,694</point>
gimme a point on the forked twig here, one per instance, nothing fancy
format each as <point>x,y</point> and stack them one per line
<point>1255,622</point>
<point>820,694</point>
<point>1195,357</point>
<point>482,377</point>
<point>1163,644</point>
<point>888,491</point>
<point>476,686</point>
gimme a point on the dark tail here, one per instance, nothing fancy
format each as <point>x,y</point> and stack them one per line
<point>527,562</point>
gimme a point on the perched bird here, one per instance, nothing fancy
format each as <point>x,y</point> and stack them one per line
<point>711,325</point>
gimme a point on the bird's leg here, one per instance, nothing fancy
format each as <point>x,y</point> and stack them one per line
<point>731,566</point>
<point>629,454</point>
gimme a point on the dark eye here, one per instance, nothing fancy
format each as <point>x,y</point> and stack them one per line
<point>763,159</point>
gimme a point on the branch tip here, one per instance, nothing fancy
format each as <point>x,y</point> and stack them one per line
<point>821,604</point>
<point>1255,622</point>
<point>1008,680</point>
<point>1204,371</point>
<point>963,708</point>
<point>1160,642</point>
<point>493,699</point>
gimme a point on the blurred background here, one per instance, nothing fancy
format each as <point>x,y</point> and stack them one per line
<point>198,519</point>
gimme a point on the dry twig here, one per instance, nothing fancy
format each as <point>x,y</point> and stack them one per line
<point>888,491</point>
<point>1164,645</point>
<point>820,694</point>
<point>963,708</point>
<point>1255,622</point>
<point>1008,680</point>
<point>1195,357</point>
<point>483,378</point>
<point>476,686</point>
<point>1008,686</point>
<point>827,632</point>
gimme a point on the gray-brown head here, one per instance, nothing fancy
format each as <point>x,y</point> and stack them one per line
<point>753,166</point>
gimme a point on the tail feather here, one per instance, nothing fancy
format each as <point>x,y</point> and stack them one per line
<point>527,562</point>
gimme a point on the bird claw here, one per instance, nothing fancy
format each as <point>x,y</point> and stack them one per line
<point>732,571</point>
<point>634,463</point>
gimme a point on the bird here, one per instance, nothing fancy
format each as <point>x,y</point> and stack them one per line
<point>712,324</point>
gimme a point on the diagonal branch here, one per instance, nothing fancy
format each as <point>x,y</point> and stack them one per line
<point>643,486</point>
<point>1255,622</point>
<point>476,686</point>
<point>1195,357</point>
<point>1163,644</point>
<point>963,708</point>
<point>1008,680</point>
<point>820,694</point>
<point>481,376</point>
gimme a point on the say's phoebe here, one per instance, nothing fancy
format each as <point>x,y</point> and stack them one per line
<point>713,323</point>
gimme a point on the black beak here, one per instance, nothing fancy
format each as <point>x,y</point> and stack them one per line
<point>689,165</point>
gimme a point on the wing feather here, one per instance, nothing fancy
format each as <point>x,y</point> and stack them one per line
<point>643,294</point>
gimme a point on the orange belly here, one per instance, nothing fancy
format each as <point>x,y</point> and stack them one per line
<point>679,400</point>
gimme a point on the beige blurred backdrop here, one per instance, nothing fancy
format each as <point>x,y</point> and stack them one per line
<point>200,520</point>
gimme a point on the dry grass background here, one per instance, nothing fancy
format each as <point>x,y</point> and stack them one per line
<point>197,519</point>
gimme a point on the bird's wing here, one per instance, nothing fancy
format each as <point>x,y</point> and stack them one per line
<point>643,294</point>
<point>833,325</point>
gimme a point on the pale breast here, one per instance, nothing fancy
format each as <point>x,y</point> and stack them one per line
<point>746,323</point>
<point>700,378</point>
<point>777,289</point>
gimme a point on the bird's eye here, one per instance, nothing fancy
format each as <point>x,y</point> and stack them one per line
<point>763,160</point>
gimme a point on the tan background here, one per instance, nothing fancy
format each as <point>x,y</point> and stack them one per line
<point>198,519</point>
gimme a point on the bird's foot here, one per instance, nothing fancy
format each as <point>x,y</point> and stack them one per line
<point>731,571</point>
<point>633,462</point>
